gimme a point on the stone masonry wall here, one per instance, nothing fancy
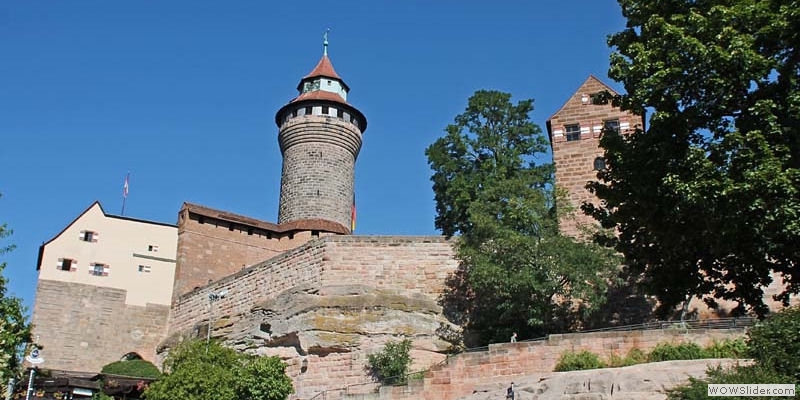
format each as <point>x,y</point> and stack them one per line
<point>574,160</point>
<point>414,264</point>
<point>410,266</point>
<point>319,155</point>
<point>84,327</point>
<point>460,375</point>
<point>212,250</point>
<point>301,266</point>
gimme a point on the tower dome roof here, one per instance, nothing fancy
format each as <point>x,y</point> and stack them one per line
<point>324,68</point>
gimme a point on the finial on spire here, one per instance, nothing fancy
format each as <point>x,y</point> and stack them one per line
<point>325,42</point>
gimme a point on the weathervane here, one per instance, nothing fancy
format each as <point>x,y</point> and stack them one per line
<point>325,42</point>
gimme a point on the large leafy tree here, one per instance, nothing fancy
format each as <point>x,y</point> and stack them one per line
<point>14,328</point>
<point>706,201</point>
<point>196,370</point>
<point>517,274</point>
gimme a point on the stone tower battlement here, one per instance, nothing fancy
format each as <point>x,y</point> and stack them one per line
<point>320,138</point>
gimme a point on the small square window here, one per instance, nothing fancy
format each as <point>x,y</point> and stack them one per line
<point>152,248</point>
<point>325,110</point>
<point>144,269</point>
<point>611,125</point>
<point>66,264</point>
<point>98,269</point>
<point>308,110</point>
<point>573,132</point>
<point>89,236</point>
<point>315,233</point>
<point>340,113</point>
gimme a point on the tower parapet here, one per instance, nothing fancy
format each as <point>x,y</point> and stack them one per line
<point>320,138</point>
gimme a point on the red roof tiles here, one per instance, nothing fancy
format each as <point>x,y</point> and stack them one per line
<point>323,68</point>
<point>319,95</point>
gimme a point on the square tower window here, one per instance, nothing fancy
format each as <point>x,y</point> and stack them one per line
<point>325,110</point>
<point>611,125</point>
<point>340,113</point>
<point>89,236</point>
<point>98,269</point>
<point>66,264</point>
<point>573,132</point>
<point>309,110</point>
<point>152,248</point>
<point>144,269</point>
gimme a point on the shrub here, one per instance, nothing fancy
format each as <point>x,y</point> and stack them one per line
<point>574,361</point>
<point>680,351</point>
<point>634,356</point>
<point>775,343</point>
<point>132,368</point>
<point>390,365</point>
<point>698,388</point>
<point>728,348</point>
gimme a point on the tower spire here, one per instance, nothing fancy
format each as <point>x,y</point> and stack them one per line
<point>325,42</point>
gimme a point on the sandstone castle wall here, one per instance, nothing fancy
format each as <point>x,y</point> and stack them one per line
<point>90,326</point>
<point>413,267</point>
<point>460,375</point>
<point>402,263</point>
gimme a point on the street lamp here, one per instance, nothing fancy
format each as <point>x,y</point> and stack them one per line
<point>213,298</point>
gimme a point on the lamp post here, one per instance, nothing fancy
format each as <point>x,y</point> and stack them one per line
<point>212,298</point>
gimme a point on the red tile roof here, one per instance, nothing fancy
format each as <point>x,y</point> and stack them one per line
<point>323,68</point>
<point>319,95</point>
<point>299,225</point>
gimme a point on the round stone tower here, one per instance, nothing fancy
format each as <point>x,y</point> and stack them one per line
<point>320,137</point>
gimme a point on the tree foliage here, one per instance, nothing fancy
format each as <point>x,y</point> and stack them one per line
<point>14,328</point>
<point>390,365</point>
<point>196,370</point>
<point>517,274</point>
<point>706,201</point>
<point>775,343</point>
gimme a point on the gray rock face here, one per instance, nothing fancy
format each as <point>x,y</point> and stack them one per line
<point>637,382</point>
<point>335,319</point>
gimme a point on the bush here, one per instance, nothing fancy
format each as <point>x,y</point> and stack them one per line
<point>132,368</point>
<point>728,348</point>
<point>698,388</point>
<point>574,361</point>
<point>775,343</point>
<point>634,356</point>
<point>390,365</point>
<point>680,351</point>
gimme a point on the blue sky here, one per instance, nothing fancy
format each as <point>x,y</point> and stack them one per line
<point>183,95</point>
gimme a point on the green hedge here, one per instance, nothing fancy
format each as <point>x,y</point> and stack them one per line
<point>574,361</point>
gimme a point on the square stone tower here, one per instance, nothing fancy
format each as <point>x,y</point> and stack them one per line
<point>574,132</point>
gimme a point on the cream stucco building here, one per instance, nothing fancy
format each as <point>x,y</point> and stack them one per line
<point>105,287</point>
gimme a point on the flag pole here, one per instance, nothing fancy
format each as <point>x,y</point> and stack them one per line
<point>125,193</point>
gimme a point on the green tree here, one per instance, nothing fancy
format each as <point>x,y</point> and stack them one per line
<point>195,370</point>
<point>706,201</point>
<point>14,328</point>
<point>390,365</point>
<point>517,274</point>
